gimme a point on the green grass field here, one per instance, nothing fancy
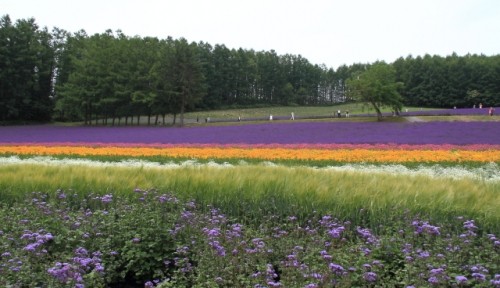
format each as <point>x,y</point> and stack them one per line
<point>324,113</point>
<point>245,190</point>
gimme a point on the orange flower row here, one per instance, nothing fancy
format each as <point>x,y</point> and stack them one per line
<point>341,155</point>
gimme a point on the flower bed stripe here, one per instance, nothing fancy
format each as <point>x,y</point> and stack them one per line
<point>332,146</point>
<point>275,153</point>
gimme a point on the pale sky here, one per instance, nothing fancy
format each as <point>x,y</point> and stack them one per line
<point>330,32</point>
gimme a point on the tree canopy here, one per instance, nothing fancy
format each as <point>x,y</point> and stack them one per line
<point>110,76</point>
<point>377,86</point>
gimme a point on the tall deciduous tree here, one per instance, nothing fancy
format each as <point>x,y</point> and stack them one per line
<point>377,86</point>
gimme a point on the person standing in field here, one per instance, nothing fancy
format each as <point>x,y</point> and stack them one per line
<point>293,116</point>
<point>491,111</point>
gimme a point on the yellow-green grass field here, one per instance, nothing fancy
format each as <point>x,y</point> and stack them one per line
<point>257,189</point>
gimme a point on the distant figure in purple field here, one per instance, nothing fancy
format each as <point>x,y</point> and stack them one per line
<point>270,117</point>
<point>346,114</point>
<point>293,116</point>
<point>338,113</point>
<point>480,105</point>
<point>491,111</point>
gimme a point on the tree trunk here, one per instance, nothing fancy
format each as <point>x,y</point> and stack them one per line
<point>377,109</point>
<point>156,120</point>
<point>138,119</point>
<point>126,120</point>
<point>182,111</point>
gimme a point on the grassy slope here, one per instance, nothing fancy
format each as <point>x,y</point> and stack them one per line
<point>263,113</point>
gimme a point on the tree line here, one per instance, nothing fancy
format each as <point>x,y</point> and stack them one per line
<point>114,77</point>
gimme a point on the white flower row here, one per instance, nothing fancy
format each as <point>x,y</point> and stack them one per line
<point>488,172</point>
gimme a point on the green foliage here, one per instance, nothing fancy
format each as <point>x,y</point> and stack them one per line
<point>63,238</point>
<point>461,81</point>
<point>377,86</point>
<point>27,64</point>
<point>110,76</point>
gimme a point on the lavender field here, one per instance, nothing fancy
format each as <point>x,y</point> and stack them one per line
<point>457,133</point>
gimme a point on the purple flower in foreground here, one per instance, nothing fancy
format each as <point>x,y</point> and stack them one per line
<point>336,268</point>
<point>136,240</point>
<point>148,284</point>
<point>496,281</point>
<point>370,276</point>
<point>423,227</point>
<point>61,271</point>
<point>433,280</point>
<point>479,277</point>
<point>461,279</point>
<point>274,284</point>
<point>336,232</point>
<point>107,198</point>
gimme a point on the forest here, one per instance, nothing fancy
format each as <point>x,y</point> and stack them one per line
<point>72,76</point>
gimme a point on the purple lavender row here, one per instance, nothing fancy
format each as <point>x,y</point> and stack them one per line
<point>457,133</point>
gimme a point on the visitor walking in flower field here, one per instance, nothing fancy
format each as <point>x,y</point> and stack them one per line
<point>491,111</point>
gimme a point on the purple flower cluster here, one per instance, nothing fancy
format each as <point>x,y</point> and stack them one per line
<point>207,247</point>
<point>108,198</point>
<point>495,282</point>
<point>82,263</point>
<point>367,235</point>
<point>36,240</point>
<point>423,227</point>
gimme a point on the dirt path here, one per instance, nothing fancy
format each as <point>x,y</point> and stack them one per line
<point>414,119</point>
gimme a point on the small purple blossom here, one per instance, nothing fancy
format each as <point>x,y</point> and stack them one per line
<point>336,268</point>
<point>495,281</point>
<point>479,277</point>
<point>461,279</point>
<point>336,232</point>
<point>433,280</point>
<point>108,198</point>
<point>370,276</point>
<point>423,227</point>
